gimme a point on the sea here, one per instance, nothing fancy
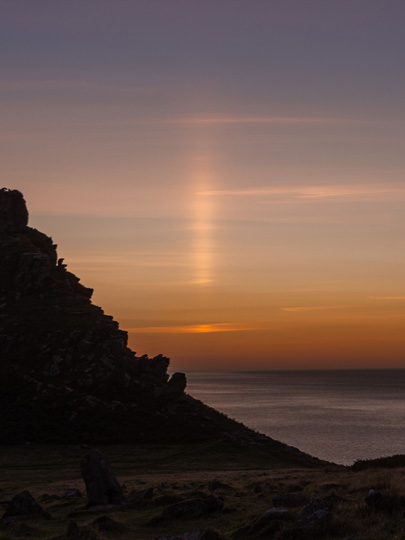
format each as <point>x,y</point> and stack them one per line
<point>340,416</point>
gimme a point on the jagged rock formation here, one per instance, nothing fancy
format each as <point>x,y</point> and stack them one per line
<point>64,363</point>
<point>66,373</point>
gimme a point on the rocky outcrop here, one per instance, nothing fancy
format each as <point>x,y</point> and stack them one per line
<point>65,368</point>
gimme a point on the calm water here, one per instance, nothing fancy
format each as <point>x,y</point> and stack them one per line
<point>339,416</point>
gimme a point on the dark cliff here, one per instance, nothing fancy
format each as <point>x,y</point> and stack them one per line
<point>66,373</point>
<point>64,364</point>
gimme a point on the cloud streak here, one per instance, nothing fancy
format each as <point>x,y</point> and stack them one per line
<point>195,329</point>
<point>279,120</point>
<point>387,297</point>
<point>313,193</point>
<point>303,309</point>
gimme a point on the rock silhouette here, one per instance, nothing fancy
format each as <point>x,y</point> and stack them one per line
<point>65,369</point>
<point>24,504</point>
<point>101,485</point>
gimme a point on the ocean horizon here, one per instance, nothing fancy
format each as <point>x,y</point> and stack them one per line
<point>337,415</point>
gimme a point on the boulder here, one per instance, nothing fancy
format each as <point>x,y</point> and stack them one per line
<point>274,514</point>
<point>101,485</point>
<point>316,520</point>
<point>24,504</point>
<point>314,506</point>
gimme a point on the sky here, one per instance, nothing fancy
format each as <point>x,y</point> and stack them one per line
<point>227,175</point>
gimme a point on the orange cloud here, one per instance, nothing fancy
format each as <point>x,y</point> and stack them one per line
<point>309,308</point>
<point>194,329</point>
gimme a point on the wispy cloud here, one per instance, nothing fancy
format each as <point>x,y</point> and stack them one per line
<point>32,84</point>
<point>195,328</point>
<point>302,309</point>
<point>387,297</point>
<point>342,192</point>
<point>240,119</point>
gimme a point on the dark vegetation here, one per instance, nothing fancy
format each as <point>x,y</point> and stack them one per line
<point>390,462</point>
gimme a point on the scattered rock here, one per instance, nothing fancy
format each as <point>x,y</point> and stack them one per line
<point>314,506</point>
<point>24,504</point>
<point>271,515</point>
<point>385,503</point>
<point>193,508</point>
<point>316,520</point>
<point>101,485</point>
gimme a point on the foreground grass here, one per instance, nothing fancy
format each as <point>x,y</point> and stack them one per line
<point>249,477</point>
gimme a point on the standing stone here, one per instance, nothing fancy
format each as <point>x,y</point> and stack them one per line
<point>101,485</point>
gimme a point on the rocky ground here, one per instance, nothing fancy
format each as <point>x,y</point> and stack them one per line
<point>194,492</point>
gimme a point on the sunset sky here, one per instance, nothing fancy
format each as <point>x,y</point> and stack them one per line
<point>227,175</point>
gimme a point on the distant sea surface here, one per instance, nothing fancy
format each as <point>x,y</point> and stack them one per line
<point>340,416</point>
